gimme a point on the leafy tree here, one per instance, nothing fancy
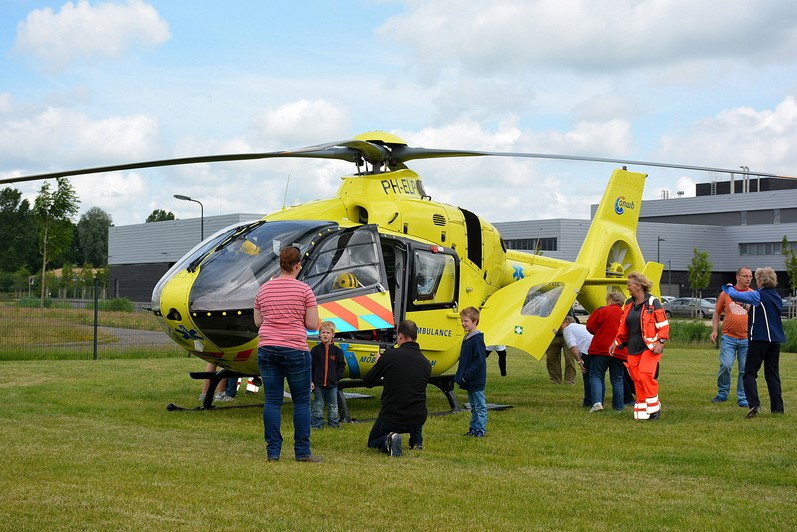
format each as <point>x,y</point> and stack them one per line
<point>92,232</point>
<point>86,280</point>
<point>53,212</point>
<point>67,280</point>
<point>17,232</point>
<point>103,274</point>
<point>699,272</point>
<point>159,215</point>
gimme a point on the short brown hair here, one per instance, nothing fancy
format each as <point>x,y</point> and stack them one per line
<point>289,257</point>
<point>471,313</point>
<point>327,325</point>
<point>408,329</point>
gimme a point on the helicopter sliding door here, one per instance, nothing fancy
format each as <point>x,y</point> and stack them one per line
<point>346,271</point>
<point>432,301</point>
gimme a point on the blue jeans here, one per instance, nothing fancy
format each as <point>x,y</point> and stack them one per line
<point>232,386</point>
<point>731,349</point>
<point>478,411</point>
<point>276,365</point>
<point>328,395</point>
<point>597,376</point>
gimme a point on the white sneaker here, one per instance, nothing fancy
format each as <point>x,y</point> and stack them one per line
<point>597,407</point>
<point>394,444</point>
<point>222,397</point>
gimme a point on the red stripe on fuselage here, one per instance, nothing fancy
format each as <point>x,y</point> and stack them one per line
<point>375,308</point>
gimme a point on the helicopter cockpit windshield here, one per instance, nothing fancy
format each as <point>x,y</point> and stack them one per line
<point>230,277</point>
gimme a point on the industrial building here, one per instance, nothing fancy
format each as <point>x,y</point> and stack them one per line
<point>739,223</point>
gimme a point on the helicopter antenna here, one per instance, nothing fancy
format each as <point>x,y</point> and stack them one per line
<point>285,196</point>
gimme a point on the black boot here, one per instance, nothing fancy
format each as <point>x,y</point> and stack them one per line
<point>502,362</point>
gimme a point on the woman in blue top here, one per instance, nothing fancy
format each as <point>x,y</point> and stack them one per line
<point>765,335</point>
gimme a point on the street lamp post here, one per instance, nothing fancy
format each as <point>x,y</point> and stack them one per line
<point>659,240</point>
<point>669,273</point>
<point>201,213</point>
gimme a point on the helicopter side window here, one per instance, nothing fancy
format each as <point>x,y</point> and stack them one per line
<point>435,279</point>
<point>344,262</point>
<point>541,299</point>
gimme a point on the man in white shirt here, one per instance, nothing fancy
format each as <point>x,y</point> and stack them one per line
<point>577,339</point>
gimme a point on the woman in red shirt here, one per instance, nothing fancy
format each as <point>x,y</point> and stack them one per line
<point>603,324</point>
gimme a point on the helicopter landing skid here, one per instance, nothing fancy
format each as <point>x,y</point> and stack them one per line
<point>444,382</point>
<point>215,377</point>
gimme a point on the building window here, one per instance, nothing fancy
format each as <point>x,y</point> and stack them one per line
<point>764,248</point>
<point>532,244</point>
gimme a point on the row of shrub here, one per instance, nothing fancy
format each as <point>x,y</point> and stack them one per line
<point>688,333</point>
<point>120,304</point>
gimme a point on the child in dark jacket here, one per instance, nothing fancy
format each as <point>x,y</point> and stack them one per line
<point>329,363</point>
<point>472,371</point>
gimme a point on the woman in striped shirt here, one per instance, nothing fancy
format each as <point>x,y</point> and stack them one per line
<point>285,309</point>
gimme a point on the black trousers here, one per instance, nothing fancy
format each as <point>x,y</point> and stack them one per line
<point>768,354</point>
<point>378,437</point>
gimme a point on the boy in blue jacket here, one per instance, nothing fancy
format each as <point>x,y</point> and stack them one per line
<point>472,371</point>
<point>329,364</point>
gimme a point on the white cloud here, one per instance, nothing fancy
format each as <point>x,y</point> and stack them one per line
<point>5,103</point>
<point>761,140</point>
<point>112,192</point>
<point>81,31</point>
<point>303,121</point>
<point>592,35</point>
<point>59,137</point>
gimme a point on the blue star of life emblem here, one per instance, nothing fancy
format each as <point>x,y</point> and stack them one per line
<point>518,273</point>
<point>188,335</point>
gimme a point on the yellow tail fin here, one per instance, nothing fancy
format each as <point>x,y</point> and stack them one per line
<point>610,250</point>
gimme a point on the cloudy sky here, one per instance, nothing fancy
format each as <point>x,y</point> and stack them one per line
<point>92,83</point>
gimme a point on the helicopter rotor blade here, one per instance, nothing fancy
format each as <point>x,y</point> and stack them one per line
<point>344,154</point>
<point>356,151</point>
<point>347,150</point>
<point>371,152</point>
<point>406,153</point>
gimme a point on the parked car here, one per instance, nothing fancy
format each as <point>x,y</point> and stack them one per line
<point>689,306</point>
<point>667,299</point>
<point>712,300</point>
<point>579,310</point>
<point>788,306</point>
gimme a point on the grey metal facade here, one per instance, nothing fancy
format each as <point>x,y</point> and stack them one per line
<point>669,231</point>
<point>139,255</point>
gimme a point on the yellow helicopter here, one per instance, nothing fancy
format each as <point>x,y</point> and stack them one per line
<point>382,251</point>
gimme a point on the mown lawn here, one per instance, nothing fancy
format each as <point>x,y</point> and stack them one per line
<point>90,445</point>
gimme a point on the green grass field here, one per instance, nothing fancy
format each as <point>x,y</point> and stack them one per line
<point>89,445</point>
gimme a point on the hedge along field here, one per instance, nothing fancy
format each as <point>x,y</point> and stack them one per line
<point>65,330</point>
<point>90,445</point>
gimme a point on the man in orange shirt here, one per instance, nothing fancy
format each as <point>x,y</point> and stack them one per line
<point>733,343</point>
